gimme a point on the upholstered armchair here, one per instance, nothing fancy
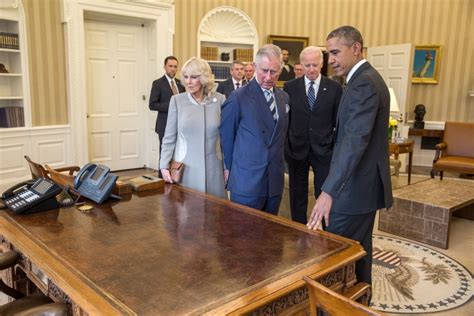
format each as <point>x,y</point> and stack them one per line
<point>456,152</point>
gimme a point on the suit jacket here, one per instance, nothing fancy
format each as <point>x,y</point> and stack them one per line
<point>226,87</point>
<point>252,143</point>
<point>359,177</point>
<point>160,96</point>
<point>311,129</point>
<point>287,75</point>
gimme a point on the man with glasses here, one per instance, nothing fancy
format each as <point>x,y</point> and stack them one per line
<point>254,121</point>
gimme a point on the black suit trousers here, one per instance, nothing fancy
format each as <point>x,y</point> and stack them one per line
<point>298,171</point>
<point>357,227</point>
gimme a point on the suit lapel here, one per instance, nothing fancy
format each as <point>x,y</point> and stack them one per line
<point>261,105</point>
<point>361,69</point>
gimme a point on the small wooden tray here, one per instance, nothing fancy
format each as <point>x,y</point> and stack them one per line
<point>146,182</point>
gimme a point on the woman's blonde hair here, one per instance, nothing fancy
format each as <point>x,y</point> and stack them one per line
<point>199,67</point>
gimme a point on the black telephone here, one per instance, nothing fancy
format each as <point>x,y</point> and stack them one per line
<point>95,182</point>
<point>32,196</point>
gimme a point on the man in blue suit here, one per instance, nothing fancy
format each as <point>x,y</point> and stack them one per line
<point>254,122</point>
<point>358,183</point>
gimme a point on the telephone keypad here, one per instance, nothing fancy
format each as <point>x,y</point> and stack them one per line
<point>26,198</point>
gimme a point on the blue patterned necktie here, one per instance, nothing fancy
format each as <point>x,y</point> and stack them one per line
<point>271,103</point>
<point>311,96</point>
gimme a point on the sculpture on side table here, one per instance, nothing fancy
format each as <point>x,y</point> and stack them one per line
<point>420,112</point>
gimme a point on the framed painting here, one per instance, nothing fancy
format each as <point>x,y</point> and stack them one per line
<point>293,45</point>
<point>426,62</point>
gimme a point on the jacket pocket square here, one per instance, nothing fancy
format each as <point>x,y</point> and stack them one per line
<point>287,108</point>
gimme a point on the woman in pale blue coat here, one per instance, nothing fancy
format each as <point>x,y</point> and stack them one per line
<point>192,134</point>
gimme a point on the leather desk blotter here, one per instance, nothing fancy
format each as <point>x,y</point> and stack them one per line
<point>146,182</point>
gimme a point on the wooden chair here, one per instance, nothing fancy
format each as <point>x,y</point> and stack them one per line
<point>37,170</point>
<point>34,304</point>
<point>320,297</point>
<point>63,179</point>
<point>456,152</point>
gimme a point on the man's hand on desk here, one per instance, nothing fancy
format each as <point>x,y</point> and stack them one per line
<point>320,210</point>
<point>165,173</point>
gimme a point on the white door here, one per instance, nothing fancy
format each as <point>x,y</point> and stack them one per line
<point>395,64</point>
<point>115,88</point>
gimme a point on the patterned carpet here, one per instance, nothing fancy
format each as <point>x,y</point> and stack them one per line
<point>408,277</point>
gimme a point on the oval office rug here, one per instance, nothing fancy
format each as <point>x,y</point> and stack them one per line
<point>408,277</point>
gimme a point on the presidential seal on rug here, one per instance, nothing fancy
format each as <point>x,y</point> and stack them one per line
<point>408,277</point>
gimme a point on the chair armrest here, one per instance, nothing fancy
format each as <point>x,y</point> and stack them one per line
<point>439,148</point>
<point>8,259</point>
<point>70,169</point>
<point>357,291</point>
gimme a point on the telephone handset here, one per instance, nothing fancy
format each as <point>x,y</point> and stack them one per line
<point>95,182</point>
<point>32,196</point>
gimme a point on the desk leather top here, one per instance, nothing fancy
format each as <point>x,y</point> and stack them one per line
<point>176,251</point>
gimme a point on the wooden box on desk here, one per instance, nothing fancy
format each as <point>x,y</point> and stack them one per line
<point>122,187</point>
<point>146,182</point>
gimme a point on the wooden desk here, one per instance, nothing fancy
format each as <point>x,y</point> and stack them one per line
<point>178,252</point>
<point>403,148</point>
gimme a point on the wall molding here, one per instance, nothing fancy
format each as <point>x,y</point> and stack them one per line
<point>46,145</point>
<point>424,157</point>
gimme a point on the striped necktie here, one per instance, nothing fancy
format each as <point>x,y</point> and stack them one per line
<point>311,96</point>
<point>271,103</point>
<point>173,87</point>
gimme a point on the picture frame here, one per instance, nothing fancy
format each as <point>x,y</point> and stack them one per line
<point>294,45</point>
<point>426,63</point>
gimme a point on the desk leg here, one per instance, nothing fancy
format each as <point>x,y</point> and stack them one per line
<point>410,159</point>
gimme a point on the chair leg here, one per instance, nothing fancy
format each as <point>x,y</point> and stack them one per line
<point>432,173</point>
<point>441,175</point>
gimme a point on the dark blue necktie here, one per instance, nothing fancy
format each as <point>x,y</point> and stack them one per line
<point>311,96</point>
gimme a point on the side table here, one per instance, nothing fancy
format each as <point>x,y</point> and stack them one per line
<point>403,148</point>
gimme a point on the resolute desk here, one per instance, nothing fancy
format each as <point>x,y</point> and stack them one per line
<point>174,252</point>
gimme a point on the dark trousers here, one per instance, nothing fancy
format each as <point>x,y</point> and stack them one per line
<point>356,227</point>
<point>298,171</point>
<point>266,204</point>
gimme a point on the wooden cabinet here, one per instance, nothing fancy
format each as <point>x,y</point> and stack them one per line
<point>13,91</point>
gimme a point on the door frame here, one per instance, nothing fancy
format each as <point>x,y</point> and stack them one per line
<point>158,20</point>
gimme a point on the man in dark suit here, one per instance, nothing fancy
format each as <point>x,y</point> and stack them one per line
<point>314,101</point>
<point>287,72</point>
<point>358,183</point>
<point>235,81</point>
<point>254,122</point>
<point>161,91</point>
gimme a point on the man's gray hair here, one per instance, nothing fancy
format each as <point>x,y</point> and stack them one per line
<point>349,34</point>
<point>270,51</point>
<point>311,49</point>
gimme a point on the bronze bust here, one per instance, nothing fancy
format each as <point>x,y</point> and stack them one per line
<point>420,112</point>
